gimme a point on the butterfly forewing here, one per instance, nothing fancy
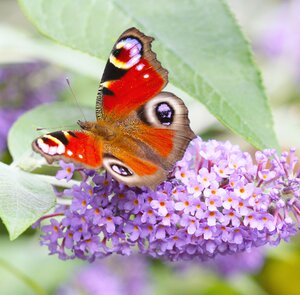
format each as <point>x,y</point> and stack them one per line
<point>71,146</point>
<point>131,77</point>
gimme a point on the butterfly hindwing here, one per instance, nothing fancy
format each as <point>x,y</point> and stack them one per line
<point>72,146</point>
<point>166,125</point>
<point>159,138</point>
<point>131,77</point>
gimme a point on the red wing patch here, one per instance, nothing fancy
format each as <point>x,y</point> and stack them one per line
<point>75,146</point>
<point>137,86</point>
<point>161,140</point>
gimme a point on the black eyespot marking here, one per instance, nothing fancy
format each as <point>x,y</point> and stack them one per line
<point>72,133</point>
<point>60,136</point>
<point>164,113</point>
<point>111,72</point>
<point>107,91</point>
<point>45,140</point>
<point>121,170</point>
<point>116,52</point>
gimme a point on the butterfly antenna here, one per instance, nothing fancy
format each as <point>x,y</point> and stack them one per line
<point>53,128</point>
<point>69,84</point>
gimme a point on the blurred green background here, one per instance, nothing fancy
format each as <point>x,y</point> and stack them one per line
<point>273,28</point>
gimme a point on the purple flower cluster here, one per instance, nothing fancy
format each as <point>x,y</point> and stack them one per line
<point>23,86</point>
<point>217,201</point>
<point>111,277</point>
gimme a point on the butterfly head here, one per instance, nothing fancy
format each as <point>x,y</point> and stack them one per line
<point>86,125</point>
<point>99,129</point>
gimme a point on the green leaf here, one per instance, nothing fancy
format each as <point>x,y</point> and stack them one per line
<point>199,43</point>
<point>24,198</point>
<point>54,116</point>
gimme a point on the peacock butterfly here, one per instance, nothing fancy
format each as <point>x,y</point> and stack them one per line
<point>140,132</point>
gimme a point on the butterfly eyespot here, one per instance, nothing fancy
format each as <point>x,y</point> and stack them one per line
<point>164,110</point>
<point>52,144</point>
<point>127,53</point>
<point>164,113</point>
<point>116,52</point>
<point>121,170</point>
<point>118,169</point>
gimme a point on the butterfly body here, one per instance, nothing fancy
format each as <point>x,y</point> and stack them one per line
<point>139,132</point>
